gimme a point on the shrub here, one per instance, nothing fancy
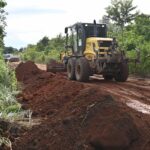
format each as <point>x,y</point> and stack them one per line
<point>8,85</point>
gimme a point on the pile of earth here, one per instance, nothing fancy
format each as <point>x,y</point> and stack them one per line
<point>27,70</point>
<point>76,116</point>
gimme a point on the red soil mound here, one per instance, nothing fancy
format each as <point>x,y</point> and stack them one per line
<point>76,116</point>
<point>26,70</point>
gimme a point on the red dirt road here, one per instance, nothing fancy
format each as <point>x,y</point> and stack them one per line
<point>135,92</point>
<point>98,115</point>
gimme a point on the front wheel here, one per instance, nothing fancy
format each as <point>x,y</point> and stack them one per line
<point>71,68</point>
<point>82,70</point>
<point>123,73</point>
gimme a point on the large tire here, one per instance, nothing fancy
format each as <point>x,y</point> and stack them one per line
<point>71,68</point>
<point>82,70</point>
<point>108,77</point>
<point>123,73</point>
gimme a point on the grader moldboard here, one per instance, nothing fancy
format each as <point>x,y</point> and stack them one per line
<point>89,51</point>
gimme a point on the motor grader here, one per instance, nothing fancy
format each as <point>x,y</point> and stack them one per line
<point>89,51</point>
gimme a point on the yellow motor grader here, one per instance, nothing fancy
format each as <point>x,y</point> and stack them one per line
<point>89,51</point>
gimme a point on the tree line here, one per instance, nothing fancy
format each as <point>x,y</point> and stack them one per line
<point>44,50</point>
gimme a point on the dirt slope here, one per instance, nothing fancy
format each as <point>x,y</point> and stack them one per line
<point>82,116</point>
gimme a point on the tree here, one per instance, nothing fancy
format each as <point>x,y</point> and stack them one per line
<point>2,21</point>
<point>57,43</point>
<point>142,26</point>
<point>120,11</point>
<point>43,43</point>
<point>105,20</point>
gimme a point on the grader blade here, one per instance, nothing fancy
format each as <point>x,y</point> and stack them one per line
<point>54,66</point>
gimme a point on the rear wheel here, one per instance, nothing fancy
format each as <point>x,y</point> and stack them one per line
<point>71,68</point>
<point>123,73</point>
<point>82,70</point>
<point>108,77</point>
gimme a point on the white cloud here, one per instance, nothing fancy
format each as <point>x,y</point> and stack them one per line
<point>29,20</point>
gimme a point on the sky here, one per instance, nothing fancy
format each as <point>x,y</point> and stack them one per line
<point>30,20</point>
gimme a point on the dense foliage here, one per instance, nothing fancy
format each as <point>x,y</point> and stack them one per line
<point>8,85</point>
<point>44,50</point>
<point>132,31</point>
<point>138,36</point>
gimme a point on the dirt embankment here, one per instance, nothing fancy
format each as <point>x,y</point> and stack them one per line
<point>77,116</point>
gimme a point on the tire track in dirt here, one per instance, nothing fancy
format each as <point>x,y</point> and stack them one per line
<point>134,93</point>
